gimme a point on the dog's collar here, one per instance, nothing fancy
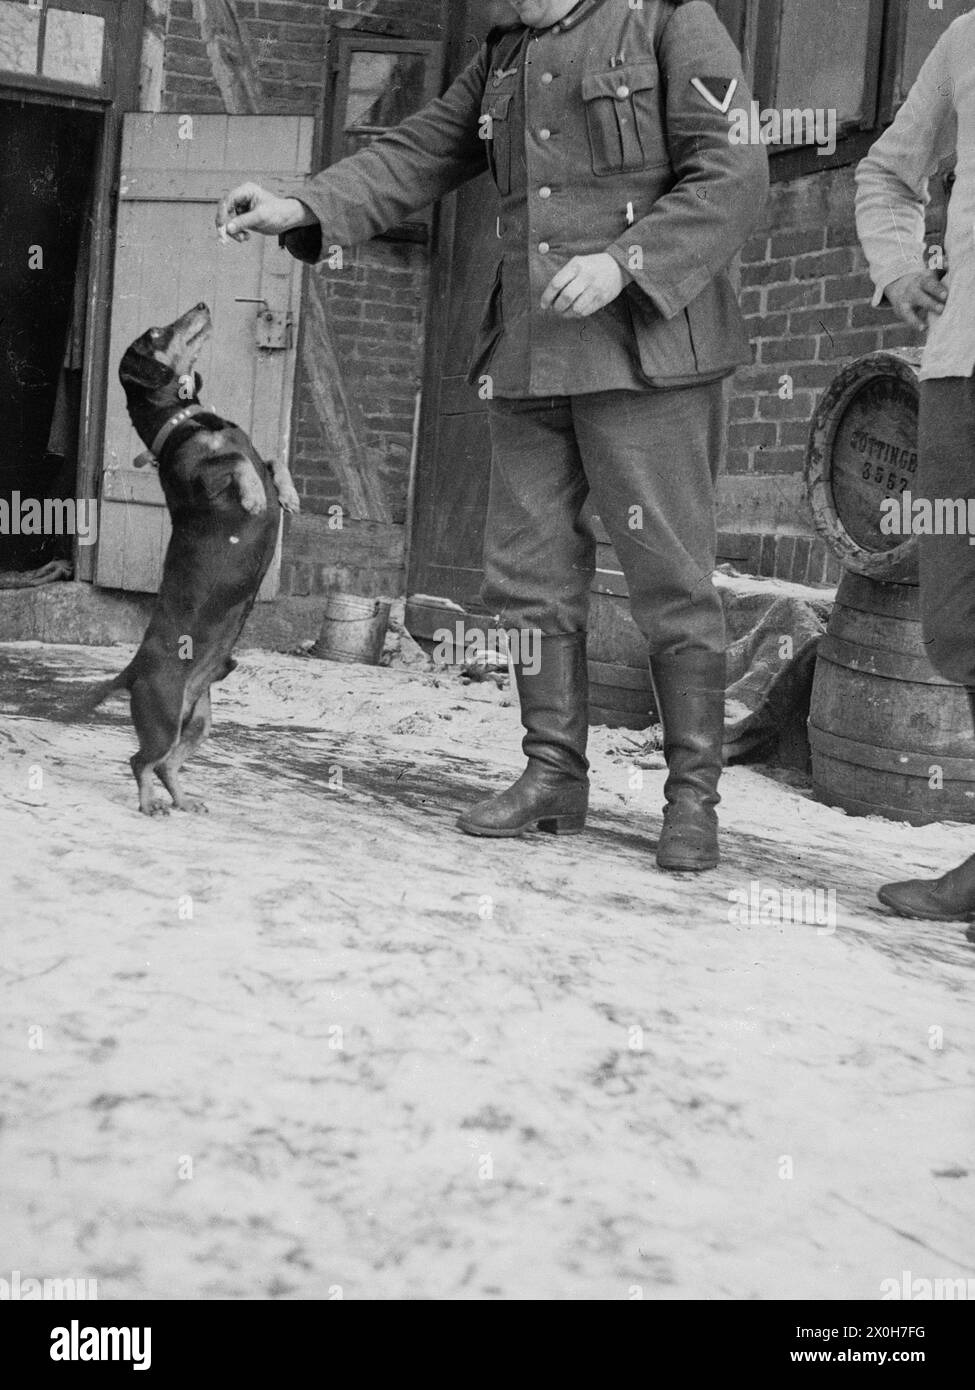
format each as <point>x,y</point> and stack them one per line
<point>174,421</point>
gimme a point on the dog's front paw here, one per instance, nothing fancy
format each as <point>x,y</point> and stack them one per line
<point>289,499</point>
<point>254,503</point>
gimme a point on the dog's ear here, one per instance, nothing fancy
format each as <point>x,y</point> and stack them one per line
<point>140,369</point>
<point>199,382</point>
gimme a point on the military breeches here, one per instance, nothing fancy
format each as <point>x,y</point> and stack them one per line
<point>649,461</point>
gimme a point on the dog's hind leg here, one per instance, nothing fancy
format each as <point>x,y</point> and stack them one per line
<point>157,722</point>
<point>196,727</point>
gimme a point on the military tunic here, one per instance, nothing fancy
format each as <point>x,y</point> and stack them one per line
<point>599,140</point>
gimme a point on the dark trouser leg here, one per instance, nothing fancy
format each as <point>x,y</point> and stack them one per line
<point>946,441</point>
<point>651,459</point>
<point>539,558</point>
<point>538,566</point>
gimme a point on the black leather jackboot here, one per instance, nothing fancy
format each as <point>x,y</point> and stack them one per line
<point>690,687</point>
<point>553,791</point>
<point>950,898</point>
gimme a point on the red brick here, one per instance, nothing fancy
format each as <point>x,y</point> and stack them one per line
<point>852,344</point>
<point>767,325</point>
<point>747,436</point>
<point>787,349</point>
<point>824,320</point>
<point>800,407</point>
<point>900,335</point>
<point>796,243</point>
<point>793,432</point>
<point>795,296</point>
<point>824,263</point>
<point>779,460</point>
<point>844,235</point>
<point>737,461</point>
<point>764,274</point>
<point>743,408</point>
<point>842,288</point>
<point>866,316</point>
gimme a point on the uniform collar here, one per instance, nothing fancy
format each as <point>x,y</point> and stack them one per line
<point>582,11</point>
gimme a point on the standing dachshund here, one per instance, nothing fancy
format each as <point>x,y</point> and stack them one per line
<point>225,504</point>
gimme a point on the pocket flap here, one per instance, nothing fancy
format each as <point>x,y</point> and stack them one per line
<point>620,82</point>
<point>497,106</point>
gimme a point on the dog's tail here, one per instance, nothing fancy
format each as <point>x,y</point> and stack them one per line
<point>92,696</point>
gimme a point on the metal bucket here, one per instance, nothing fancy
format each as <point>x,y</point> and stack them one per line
<point>353,629</point>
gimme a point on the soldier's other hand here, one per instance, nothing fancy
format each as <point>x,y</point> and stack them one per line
<point>584,285</point>
<point>250,208</point>
<point>915,296</point>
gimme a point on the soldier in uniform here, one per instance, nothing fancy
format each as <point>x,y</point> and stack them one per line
<point>605,124</point>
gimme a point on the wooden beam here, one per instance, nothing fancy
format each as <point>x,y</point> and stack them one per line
<point>231,56</point>
<point>337,414</point>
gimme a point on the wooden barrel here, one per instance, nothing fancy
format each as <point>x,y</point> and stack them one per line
<point>888,736</point>
<point>353,629</point>
<point>862,449</point>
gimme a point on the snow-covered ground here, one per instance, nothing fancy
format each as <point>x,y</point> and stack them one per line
<point>320,1044</point>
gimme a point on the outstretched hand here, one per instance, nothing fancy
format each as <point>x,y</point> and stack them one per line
<point>250,208</point>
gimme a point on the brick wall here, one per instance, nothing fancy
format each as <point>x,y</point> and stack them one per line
<point>807,297</point>
<point>375,305</point>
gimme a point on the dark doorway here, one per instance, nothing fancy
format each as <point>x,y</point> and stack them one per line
<point>47,163</point>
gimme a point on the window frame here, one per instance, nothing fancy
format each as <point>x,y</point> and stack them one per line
<point>342,45</point>
<point>102,94</point>
<point>755,25</point>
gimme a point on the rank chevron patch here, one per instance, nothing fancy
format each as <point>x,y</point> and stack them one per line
<point>716,91</point>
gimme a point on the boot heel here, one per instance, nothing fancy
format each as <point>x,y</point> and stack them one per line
<point>563,825</point>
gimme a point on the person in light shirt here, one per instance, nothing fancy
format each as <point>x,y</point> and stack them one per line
<point>936,121</point>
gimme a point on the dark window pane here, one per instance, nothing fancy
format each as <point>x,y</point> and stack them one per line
<point>824,56</point>
<point>384,88</point>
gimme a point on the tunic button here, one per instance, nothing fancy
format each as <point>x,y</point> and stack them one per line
<point>547,78</point>
<point>622,92</point>
<point>544,248</point>
<point>544,135</point>
<point>545,192</point>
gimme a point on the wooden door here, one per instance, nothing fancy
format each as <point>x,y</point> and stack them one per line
<point>455,449</point>
<point>167,258</point>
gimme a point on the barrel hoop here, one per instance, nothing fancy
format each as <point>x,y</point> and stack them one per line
<point>856,806</point>
<point>852,656</point>
<point>848,750</point>
<point>629,677</point>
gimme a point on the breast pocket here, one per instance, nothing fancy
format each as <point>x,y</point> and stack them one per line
<point>495,129</point>
<point>623,119</point>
